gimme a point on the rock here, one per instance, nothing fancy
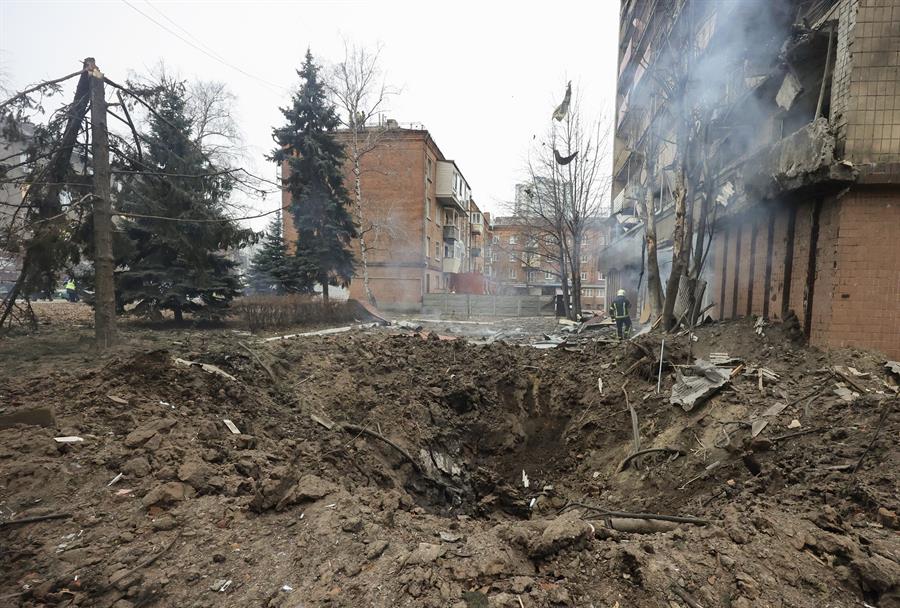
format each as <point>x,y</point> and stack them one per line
<point>734,526</point>
<point>352,525</point>
<point>888,518</point>
<point>246,442</point>
<point>562,532</point>
<point>196,473</point>
<point>137,467</point>
<point>425,553</point>
<point>877,574</point>
<point>123,604</point>
<point>520,584</point>
<point>164,522</point>
<point>311,488</point>
<point>208,430</point>
<point>218,558</point>
<point>167,494</point>
<point>376,549</point>
<point>144,433</point>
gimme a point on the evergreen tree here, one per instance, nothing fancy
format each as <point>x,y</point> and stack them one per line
<point>314,176</point>
<point>272,269</point>
<point>177,265</point>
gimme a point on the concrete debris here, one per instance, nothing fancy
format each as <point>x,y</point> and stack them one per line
<point>231,426</point>
<point>760,326</point>
<point>207,367</point>
<point>690,391</point>
<point>893,367</point>
<point>789,90</point>
<point>68,439</point>
<point>845,393</point>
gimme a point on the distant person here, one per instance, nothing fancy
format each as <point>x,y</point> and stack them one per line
<point>71,294</point>
<point>621,312</point>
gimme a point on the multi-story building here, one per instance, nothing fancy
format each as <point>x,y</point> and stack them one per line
<point>424,233</point>
<point>523,264</point>
<point>795,148</point>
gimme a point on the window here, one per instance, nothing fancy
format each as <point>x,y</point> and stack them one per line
<point>448,253</point>
<point>495,240</point>
<point>548,276</point>
<point>512,257</point>
<point>428,168</point>
<point>437,251</point>
<point>601,276</point>
<point>512,273</point>
<point>584,276</point>
<point>476,219</point>
<point>427,207</point>
<point>427,246</point>
<point>512,239</point>
<point>584,258</point>
<point>589,293</point>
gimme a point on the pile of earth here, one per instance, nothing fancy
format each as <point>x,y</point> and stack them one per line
<point>386,467</point>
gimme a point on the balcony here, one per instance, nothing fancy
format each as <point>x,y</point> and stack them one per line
<point>451,233</point>
<point>477,228</point>
<point>450,189</point>
<point>452,265</point>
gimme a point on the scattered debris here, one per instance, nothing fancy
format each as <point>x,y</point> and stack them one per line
<point>34,416</point>
<point>690,391</point>
<point>68,439</point>
<point>231,426</point>
<point>207,367</point>
<point>724,359</point>
<point>117,399</point>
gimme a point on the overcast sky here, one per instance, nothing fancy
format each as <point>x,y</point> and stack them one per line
<point>483,77</point>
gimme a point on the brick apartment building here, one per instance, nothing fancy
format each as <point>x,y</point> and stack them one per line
<point>519,267</point>
<point>807,134</point>
<point>425,234</point>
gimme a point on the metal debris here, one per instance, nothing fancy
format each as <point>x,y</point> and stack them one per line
<point>690,391</point>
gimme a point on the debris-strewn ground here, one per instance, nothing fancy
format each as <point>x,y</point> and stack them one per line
<point>384,468</point>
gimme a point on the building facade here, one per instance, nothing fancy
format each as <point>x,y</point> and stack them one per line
<point>799,166</point>
<point>523,264</point>
<point>423,230</point>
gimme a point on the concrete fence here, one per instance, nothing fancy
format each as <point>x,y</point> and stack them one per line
<point>464,306</point>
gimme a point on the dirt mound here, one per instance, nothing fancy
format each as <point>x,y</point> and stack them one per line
<point>379,468</point>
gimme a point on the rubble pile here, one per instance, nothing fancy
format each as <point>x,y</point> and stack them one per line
<point>391,467</point>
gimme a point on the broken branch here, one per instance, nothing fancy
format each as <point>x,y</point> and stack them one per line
<point>260,361</point>
<point>31,520</point>
<point>626,514</point>
<point>887,410</point>
<point>625,462</point>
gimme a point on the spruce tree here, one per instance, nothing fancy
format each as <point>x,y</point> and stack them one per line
<point>272,269</point>
<point>314,162</point>
<point>180,265</point>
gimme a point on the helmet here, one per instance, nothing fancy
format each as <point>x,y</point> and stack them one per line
<point>621,292</point>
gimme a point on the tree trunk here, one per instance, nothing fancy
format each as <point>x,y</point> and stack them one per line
<point>576,278</point>
<point>363,247</point>
<point>104,287</point>
<point>564,282</point>
<point>654,283</point>
<point>678,252</point>
<point>324,281</point>
<point>179,313</point>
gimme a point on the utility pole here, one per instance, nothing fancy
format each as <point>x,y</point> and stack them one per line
<point>105,297</point>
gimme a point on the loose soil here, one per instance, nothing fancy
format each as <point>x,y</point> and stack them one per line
<point>415,495</point>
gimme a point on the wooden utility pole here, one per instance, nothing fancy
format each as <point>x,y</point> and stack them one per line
<point>105,297</point>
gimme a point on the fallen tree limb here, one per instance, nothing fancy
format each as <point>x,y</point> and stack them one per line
<point>634,365</point>
<point>647,451</point>
<point>881,419</point>
<point>797,434</point>
<point>361,430</point>
<point>685,597</point>
<point>639,526</point>
<point>141,565</point>
<point>626,514</point>
<point>31,520</point>
<point>260,361</point>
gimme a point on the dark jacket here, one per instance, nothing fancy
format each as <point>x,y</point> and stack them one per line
<point>620,308</point>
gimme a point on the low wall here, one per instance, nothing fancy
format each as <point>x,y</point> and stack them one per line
<point>464,306</point>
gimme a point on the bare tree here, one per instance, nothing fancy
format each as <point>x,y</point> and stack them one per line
<point>568,185</point>
<point>358,88</point>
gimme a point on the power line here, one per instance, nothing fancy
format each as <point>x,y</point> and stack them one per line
<point>209,54</point>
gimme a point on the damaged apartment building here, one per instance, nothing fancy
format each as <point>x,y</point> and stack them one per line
<point>424,231</point>
<point>783,116</point>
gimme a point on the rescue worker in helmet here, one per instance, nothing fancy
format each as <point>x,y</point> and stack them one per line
<point>620,311</point>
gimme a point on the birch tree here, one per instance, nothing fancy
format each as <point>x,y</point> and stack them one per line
<point>358,89</point>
